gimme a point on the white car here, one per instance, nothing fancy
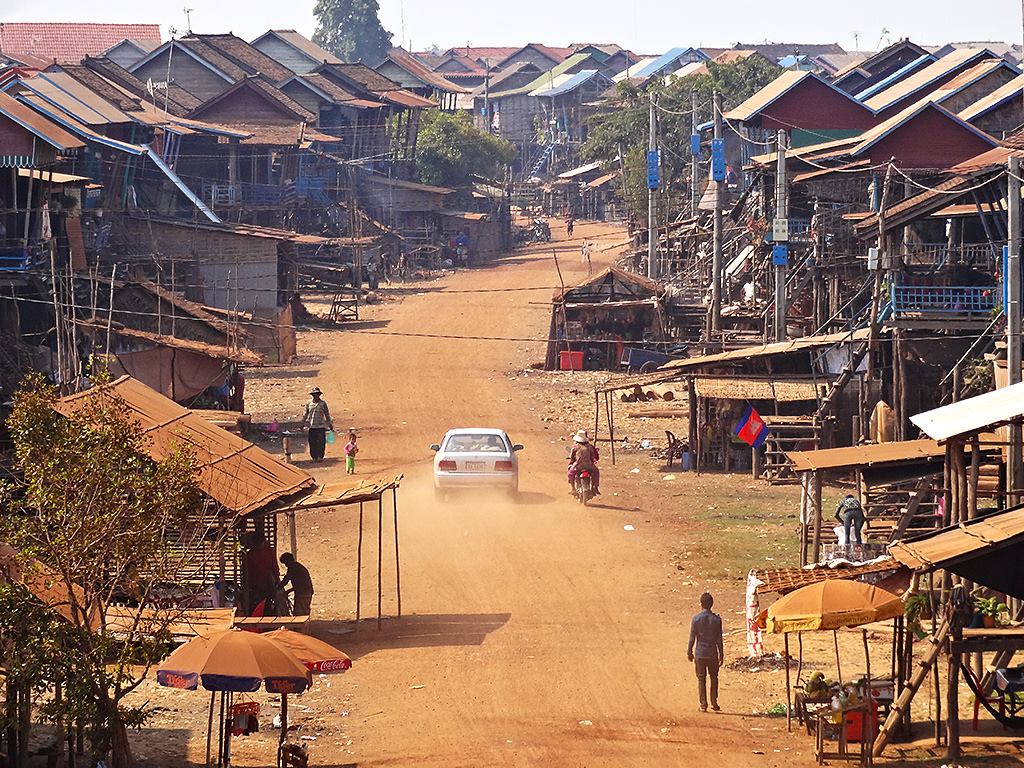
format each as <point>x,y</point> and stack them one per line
<point>476,458</point>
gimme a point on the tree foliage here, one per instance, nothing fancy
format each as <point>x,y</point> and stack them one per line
<point>351,30</point>
<point>110,525</point>
<point>624,131</point>
<point>450,150</point>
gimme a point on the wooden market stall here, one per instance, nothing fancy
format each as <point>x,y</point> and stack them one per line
<point>592,323</point>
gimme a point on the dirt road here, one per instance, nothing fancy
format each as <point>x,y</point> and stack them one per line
<point>537,633</point>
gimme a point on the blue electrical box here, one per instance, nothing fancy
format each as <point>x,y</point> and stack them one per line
<point>695,145</point>
<point>718,159</point>
<point>780,255</point>
<point>653,169</point>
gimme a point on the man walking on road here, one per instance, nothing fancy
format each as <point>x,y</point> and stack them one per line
<point>706,651</point>
<point>317,421</point>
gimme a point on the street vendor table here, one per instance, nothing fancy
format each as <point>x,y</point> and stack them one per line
<point>807,706</point>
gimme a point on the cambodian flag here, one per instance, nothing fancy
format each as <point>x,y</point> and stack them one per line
<point>751,428</point>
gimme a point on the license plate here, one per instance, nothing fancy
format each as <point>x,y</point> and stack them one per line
<point>474,466</point>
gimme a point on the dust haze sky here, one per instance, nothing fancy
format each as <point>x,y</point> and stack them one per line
<point>645,26</point>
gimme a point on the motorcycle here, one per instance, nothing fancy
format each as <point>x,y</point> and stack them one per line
<point>584,486</point>
<point>541,231</point>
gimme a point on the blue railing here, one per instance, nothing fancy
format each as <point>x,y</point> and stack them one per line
<point>944,299</point>
<point>14,259</point>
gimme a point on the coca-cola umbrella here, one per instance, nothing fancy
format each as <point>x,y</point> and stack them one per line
<point>230,662</point>
<point>317,655</point>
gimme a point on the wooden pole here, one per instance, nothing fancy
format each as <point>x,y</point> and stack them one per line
<point>816,500</point>
<point>789,695</point>
<point>380,558</point>
<point>692,423</point>
<point>805,515</point>
<point>209,729</point>
<point>398,563</point>
<point>839,669</point>
<point>953,694</point>
<point>284,718</point>
<point>359,566</point>
<point>611,429</point>
<point>868,730</point>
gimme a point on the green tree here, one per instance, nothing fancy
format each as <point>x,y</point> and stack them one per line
<point>450,150</point>
<point>623,133</point>
<point>351,30</point>
<point>110,525</point>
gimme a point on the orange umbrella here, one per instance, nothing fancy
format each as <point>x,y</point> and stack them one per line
<point>831,604</point>
<point>317,655</point>
<point>234,661</point>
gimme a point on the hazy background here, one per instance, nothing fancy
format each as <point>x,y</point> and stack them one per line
<point>645,26</point>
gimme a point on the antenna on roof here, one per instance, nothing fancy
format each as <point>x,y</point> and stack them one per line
<point>188,19</point>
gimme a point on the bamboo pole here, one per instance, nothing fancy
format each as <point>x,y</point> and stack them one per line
<point>839,669</point>
<point>816,500</point>
<point>380,558</point>
<point>359,566</point>
<point>398,563</point>
<point>789,695</point>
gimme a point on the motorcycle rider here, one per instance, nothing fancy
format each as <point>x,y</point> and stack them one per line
<point>584,455</point>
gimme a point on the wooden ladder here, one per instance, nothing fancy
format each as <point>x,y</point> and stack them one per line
<point>902,704</point>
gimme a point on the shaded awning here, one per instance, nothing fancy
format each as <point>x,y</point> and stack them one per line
<point>239,475</point>
<point>986,550</point>
<point>783,580</point>
<point>744,388</point>
<point>768,350</point>
<point>984,412</point>
<point>340,494</point>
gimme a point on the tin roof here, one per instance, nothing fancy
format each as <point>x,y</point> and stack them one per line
<point>567,83</point>
<point>302,44</point>
<point>774,91</point>
<point>767,350</point>
<point>874,135</point>
<point>865,455</point>
<point>72,40</point>
<point>402,58</point>
<point>922,79</point>
<point>940,548</point>
<point>239,475</point>
<point>37,125</point>
<point>998,97</point>
<point>545,79</point>
<point>987,411</point>
<point>666,61</point>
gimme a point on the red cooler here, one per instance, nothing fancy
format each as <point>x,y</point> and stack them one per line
<point>570,361</point>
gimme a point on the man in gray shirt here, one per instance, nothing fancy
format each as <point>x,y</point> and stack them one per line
<point>706,651</point>
<point>317,420</point>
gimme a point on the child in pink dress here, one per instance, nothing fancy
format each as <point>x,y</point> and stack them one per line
<point>350,454</point>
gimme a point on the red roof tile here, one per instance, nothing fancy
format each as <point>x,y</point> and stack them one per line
<point>70,41</point>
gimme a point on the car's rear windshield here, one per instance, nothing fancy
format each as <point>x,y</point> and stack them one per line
<point>472,443</point>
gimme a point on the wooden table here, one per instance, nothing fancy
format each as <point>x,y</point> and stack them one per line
<point>807,705</point>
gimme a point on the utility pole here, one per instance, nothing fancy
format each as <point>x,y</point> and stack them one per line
<point>487,100</point>
<point>652,188</point>
<point>780,237</point>
<point>715,313</point>
<point>1013,320</point>
<point>694,157</point>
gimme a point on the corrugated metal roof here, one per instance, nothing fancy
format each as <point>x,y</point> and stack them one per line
<point>865,455</point>
<point>304,45</point>
<point>631,71</point>
<point>85,105</point>
<point>665,61</point>
<point>925,77</point>
<point>972,537</point>
<point>767,350</point>
<point>60,117</point>
<point>241,476</point>
<point>986,411</point>
<point>872,136</point>
<point>771,93</point>
<point>39,126</point>
<point>546,79</point>
<point>997,98</point>
<point>570,83</point>
<point>921,61</point>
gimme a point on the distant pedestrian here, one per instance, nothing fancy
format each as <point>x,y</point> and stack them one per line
<point>570,222</point>
<point>351,449</point>
<point>850,513</point>
<point>298,576</point>
<point>706,651</point>
<point>317,420</point>
<point>586,257</point>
